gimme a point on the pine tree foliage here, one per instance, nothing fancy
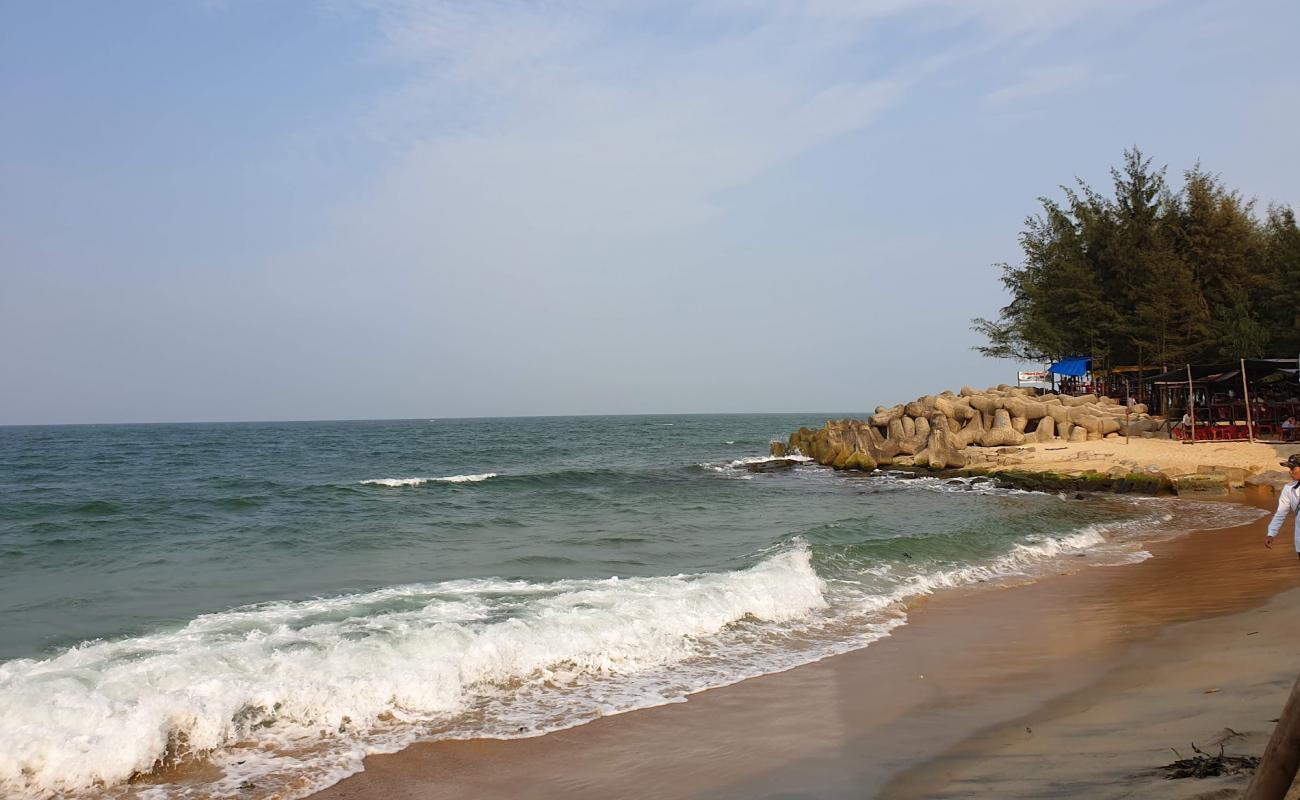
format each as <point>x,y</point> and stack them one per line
<point>1193,275</point>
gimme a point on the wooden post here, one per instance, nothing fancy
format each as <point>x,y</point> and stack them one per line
<point>1140,400</point>
<point>1128,407</point>
<point>1282,755</point>
<point>1191,402</point>
<point>1250,428</point>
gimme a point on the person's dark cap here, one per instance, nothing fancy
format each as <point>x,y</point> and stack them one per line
<point>1293,461</point>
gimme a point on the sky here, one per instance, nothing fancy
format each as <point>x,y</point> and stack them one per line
<point>253,210</point>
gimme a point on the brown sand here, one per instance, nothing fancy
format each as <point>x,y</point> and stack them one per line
<point>1169,456</point>
<point>1107,668</point>
<point>1214,682</point>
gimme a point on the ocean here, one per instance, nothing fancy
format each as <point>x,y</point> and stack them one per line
<point>222,610</point>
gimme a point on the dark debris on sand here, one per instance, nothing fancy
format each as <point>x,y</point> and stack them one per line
<point>1204,765</point>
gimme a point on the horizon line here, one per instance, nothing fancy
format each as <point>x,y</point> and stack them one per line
<point>414,419</point>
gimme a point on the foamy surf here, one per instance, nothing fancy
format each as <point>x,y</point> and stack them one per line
<point>307,688</point>
<point>971,484</point>
<point>394,483</point>
<point>740,464</point>
<point>1101,544</point>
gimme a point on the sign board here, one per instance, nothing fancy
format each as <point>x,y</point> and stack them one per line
<point>1036,379</point>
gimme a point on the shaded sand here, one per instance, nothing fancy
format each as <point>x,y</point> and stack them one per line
<point>934,709</point>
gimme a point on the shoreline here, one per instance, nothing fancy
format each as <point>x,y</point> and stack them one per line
<point>870,721</point>
<point>1213,677</point>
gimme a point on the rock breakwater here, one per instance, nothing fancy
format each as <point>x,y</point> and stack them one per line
<point>935,431</point>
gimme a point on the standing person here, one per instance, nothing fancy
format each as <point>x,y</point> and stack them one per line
<point>1288,503</point>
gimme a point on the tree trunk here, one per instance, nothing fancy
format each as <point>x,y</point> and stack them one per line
<point>1282,755</point>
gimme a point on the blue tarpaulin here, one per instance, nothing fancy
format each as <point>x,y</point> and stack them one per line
<point>1074,367</point>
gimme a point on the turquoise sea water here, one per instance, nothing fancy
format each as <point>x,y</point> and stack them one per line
<point>309,592</point>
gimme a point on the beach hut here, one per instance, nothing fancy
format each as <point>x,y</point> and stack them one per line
<point>1219,395</point>
<point>1073,373</point>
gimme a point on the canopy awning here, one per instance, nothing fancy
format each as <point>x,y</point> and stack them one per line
<point>1205,375</point>
<point>1073,367</point>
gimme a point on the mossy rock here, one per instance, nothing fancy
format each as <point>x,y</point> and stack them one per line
<point>1091,481</point>
<point>1212,485</point>
<point>859,460</point>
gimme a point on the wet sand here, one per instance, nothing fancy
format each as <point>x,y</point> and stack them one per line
<point>1107,668</point>
<point>1220,681</point>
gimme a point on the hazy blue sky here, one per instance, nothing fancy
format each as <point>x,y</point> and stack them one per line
<point>381,208</point>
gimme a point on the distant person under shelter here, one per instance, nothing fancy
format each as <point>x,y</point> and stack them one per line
<point>1288,503</point>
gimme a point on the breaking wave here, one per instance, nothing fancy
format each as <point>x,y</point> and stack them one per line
<point>394,483</point>
<point>340,677</point>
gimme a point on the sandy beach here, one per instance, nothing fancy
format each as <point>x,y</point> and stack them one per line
<point>1091,677</point>
<point>1165,455</point>
<point>1212,682</point>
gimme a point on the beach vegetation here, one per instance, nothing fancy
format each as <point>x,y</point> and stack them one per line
<point>1150,273</point>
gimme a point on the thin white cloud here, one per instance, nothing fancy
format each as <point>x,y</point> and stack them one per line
<point>499,68</point>
<point>561,120</point>
<point>526,136</point>
<point>1042,82</point>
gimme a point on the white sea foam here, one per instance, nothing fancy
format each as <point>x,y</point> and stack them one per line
<point>466,478</point>
<point>739,464</point>
<point>1022,560</point>
<point>399,482</point>
<point>1110,544</point>
<point>396,482</point>
<point>974,485</point>
<point>281,677</point>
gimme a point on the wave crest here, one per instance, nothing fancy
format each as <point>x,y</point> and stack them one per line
<point>394,483</point>
<point>279,674</point>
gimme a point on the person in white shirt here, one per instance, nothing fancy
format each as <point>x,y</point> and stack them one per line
<point>1288,503</point>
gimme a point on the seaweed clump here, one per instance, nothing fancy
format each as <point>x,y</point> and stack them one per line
<point>1204,765</point>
